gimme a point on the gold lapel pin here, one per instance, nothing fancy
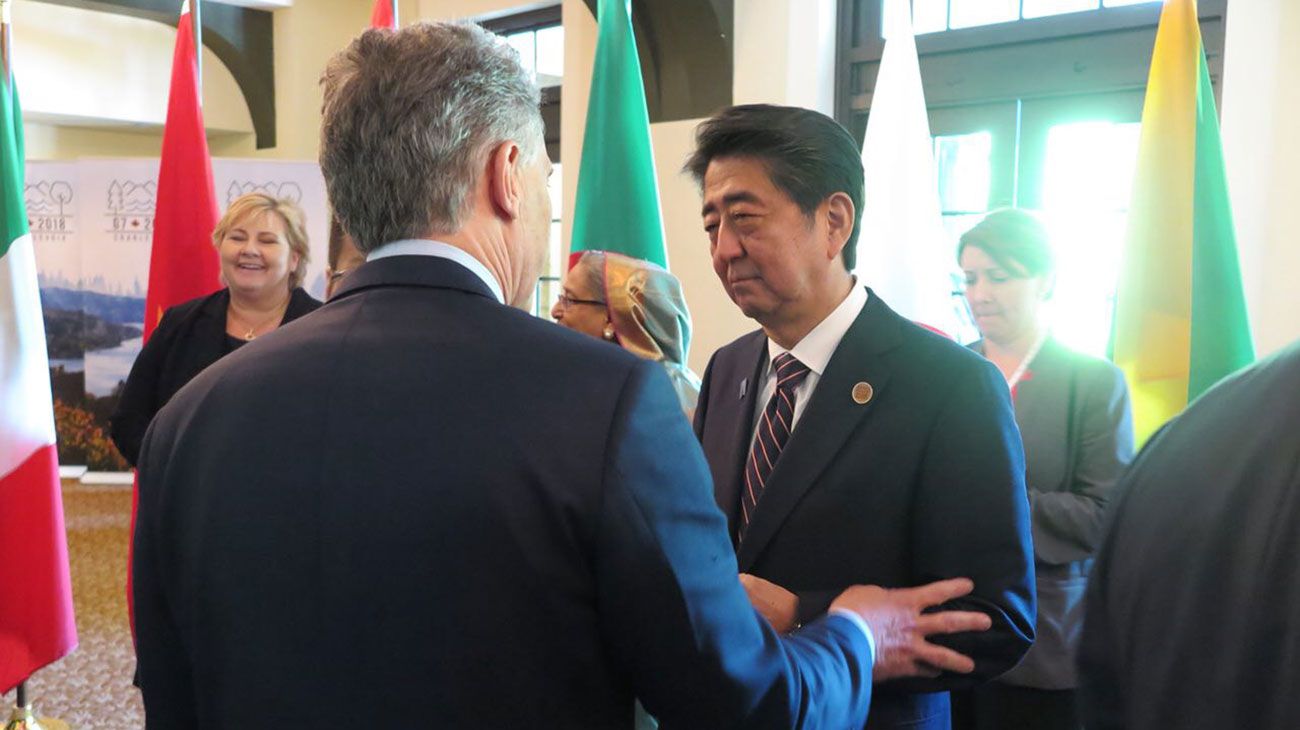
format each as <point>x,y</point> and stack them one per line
<point>862,393</point>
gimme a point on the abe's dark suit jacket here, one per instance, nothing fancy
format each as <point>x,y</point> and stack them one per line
<point>923,482</point>
<point>416,507</point>
<point>189,337</point>
<point>1192,619</point>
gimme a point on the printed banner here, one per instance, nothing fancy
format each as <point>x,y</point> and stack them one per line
<point>92,224</point>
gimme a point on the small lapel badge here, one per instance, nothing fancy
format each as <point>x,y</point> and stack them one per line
<point>862,393</point>
<point>744,387</point>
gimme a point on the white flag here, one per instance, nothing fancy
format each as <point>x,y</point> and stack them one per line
<point>903,252</point>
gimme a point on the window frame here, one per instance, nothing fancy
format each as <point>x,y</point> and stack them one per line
<point>1087,33</point>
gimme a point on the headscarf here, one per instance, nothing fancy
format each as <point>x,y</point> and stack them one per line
<point>648,312</point>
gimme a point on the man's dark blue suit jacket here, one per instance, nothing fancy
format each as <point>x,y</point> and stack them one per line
<point>417,507</point>
<point>923,481</point>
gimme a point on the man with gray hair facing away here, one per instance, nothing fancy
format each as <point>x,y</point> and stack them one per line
<point>512,525</point>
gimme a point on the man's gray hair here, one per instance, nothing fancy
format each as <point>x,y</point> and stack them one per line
<point>408,118</point>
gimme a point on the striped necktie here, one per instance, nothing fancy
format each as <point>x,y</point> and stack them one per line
<point>774,428</point>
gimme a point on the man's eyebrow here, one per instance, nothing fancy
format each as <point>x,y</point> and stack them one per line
<point>740,196</point>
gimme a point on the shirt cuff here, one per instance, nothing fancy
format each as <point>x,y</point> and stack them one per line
<point>861,624</point>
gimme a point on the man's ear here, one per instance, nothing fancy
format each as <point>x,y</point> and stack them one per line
<point>840,216</point>
<point>504,173</point>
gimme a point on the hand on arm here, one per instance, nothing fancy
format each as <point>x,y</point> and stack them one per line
<point>900,628</point>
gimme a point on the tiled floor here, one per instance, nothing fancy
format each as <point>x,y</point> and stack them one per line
<point>91,688</point>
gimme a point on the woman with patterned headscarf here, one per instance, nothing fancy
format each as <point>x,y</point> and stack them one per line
<point>634,304</point>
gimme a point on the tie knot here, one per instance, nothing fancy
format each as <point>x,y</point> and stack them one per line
<point>789,371</point>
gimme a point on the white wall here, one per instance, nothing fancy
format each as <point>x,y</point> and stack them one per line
<point>80,68</point>
<point>476,9</point>
<point>785,53</point>
<point>1261,147</point>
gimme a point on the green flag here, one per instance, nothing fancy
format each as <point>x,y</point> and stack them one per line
<point>618,193</point>
<point>1180,312</point>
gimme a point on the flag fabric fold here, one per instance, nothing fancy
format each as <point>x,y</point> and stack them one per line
<point>903,250</point>
<point>617,205</point>
<point>37,625</point>
<point>182,262</point>
<point>1180,313</point>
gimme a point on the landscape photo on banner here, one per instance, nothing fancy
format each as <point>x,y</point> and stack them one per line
<point>92,226</point>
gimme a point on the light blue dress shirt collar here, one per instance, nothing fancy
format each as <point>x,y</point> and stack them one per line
<point>427,247</point>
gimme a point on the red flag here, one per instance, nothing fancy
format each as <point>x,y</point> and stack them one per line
<point>383,15</point>
<point>182,264</point>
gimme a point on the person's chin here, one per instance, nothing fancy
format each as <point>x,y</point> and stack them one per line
<point>246,283</point>
<point>752,307</point>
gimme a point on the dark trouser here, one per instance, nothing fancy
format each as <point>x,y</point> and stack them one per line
<point>997,706</point>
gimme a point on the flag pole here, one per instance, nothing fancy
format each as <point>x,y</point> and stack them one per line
<point>198,45</point>
<point>5,19</point>
<point>22,718</point>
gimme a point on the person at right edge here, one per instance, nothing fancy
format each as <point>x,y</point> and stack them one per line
<point>1077,427</point>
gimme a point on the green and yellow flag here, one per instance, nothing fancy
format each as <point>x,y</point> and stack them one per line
<point>1180,314</point>
<point>617,206</point>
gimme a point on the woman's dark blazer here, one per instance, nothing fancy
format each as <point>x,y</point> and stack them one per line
<point>1077,428</point>
<point>190,337</point>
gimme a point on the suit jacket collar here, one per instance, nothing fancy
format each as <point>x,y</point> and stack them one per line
<point>735,409</point>
<point>817,347</point>
<point>418,271</point>
<point>827,422</point>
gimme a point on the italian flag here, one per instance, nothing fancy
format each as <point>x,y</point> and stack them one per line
<point>36,621</point>
<point>617,205</point>
<point>1180,313</point>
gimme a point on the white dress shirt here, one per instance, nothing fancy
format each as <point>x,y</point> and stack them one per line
<point>426,247</point>
<point>814,351</point>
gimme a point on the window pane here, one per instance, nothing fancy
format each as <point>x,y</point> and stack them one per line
<point>548,289</point>
<point>963,169</point>
<point>1087,180</point>
<point>525,43</point>
<point>556,188</point>
<point>955,225</point>
<point>550,56</point>
<point>1039,8</point>
<point>1119,3</point>
<point>555,260</point>
<point>928,16</point>
<point>968,13</point>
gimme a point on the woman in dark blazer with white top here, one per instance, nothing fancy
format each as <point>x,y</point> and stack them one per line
<point>1075,421</point>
